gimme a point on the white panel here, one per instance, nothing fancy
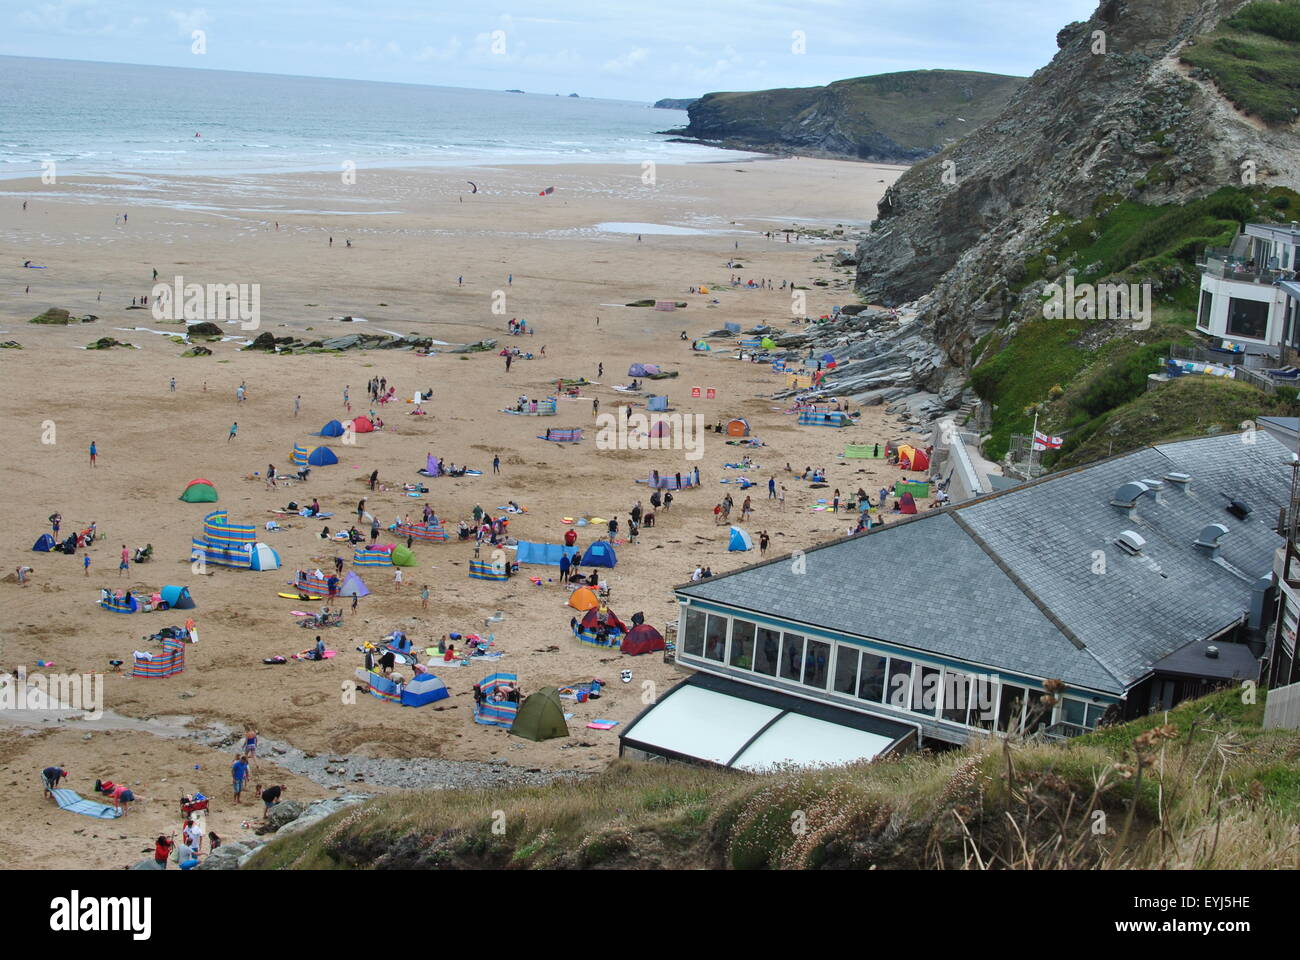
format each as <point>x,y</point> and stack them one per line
<point>702,724</point>
<point>808,742</point>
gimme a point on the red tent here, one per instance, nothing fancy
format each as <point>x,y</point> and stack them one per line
<point>590,621</point>
<point>907,503</point>
<point>362,425</point>
<point>642,638</point>
<point>910,458</point>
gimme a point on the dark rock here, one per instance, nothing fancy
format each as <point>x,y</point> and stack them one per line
<point>205,328</point>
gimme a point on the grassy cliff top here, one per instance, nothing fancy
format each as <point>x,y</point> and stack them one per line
<point>1202,786</point>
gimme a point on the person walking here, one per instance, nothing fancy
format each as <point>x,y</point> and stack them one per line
<point>238,774</point>
<point>496,464</point>
<point>234,428</point>
<point>763,541</point>
<point>173,385</point>
<point>835,501</point>
<point>397,576</point>
<point>771,487</point>
<point>125,565</point>
<point>297,404</point>
<point>94,452</point>
<point>595,406</point>
<point>361,509</point>
<point>374,478</point>
<point>780,499</point>
<point>424,597</point>
<point>374,529</point>
<point>85,562</point>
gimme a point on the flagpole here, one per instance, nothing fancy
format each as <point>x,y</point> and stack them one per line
<point>1033,444</point>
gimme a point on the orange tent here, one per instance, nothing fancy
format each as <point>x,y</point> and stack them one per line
<point>584,598</point>
<point>738,428</point>
<point>910,458</point>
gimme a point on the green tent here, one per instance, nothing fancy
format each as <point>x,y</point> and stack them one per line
<point>768,343</point>
<point>403,557</point>
<point>919,490</point>
<point>199,491</point>
<point>540,716</point>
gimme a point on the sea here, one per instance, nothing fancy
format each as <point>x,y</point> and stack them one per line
<point>123,120</point>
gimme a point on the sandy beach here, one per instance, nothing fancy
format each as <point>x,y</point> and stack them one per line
<point>603,238</point>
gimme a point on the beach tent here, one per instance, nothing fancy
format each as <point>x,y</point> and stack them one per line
<point>262,557</point>
<point>199,491</point>
<point>643,638</point>
<point>372,557</point>
<point>740,540</point>
<point>910,458</point>
<point>738,428</point>
<point>652,369</point>
<point>299,455</point>
<point>353,586</point>
<point>661,428</point>
<point>331,429</point>
<point>700,345</point>
<point>403,557</point>
<point>540,716</point>
<point>322,457</point>
<point>431,532</point>
<point>423,688</point>
<point>496,713</point>
<point>590,623</point>
<point>768,343</point>
<point>127,603</point>
<point>636,370</point>
<point>430,466</point>
<point>362,425</point>
<point>829,361</point>
<point>548,554</point>
<point>657,402</point>
<point>166,664</point>
<point>907,503</point>
<point>600,554</point>
<point>44,544</point>
<point>732,326</point>
<point>178,598</point>
<point>584,598</point>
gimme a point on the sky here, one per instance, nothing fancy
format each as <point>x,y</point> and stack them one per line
<point>622,49</point>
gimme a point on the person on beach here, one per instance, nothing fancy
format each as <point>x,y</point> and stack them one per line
<point>234,428</point>
<point>270,797</point>
<point>763,541</point>
<point>374,478</point>
<point>397,577</point>
<point>173,385</point>
<point>162,850</point>
<point>120,795</point>
<point>780,500</point>
<point>361,509</point>
<point>771,487</point>
<point>250,744</point>
<point>125,565</point>
<point>94,452</point>
<point>297,404</point>
<point>50,777</point>
<point>496,464</point>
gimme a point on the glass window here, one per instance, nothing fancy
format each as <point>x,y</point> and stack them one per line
<point>1073,711</point>
<point>925,696</point>
<point>767,652</point>
<point>900,683</point>
<point>1037,714</point>
<point>816,663</point>
<point>1247,318</point>
<point>1207,307</point>
<point>846,670</point>
<point>1095,712</point>
<point>715,639</point>
<point>792,657</point>
<point>983,697</point>
<point>956,696</point>
<point>742,644</point>
<point>872,686</point>
<point>693,637</point>
<point>1011,708</point>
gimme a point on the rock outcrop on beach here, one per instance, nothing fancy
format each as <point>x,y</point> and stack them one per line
<point>1115,116</point>
<point>888,118</point>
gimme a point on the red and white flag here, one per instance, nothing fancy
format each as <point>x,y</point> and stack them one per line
<point>1043,442</point>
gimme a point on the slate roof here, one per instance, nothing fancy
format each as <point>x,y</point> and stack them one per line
<point>1007,581</point>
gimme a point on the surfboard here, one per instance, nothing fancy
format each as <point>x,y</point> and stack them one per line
<point>294,596</point>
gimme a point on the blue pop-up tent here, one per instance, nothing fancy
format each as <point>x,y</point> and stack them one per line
<point>331,429</point>
<point>599,554</point>
<point>542,553</point>
<point>658,402</point>
<point>177,598</point>
<point>322,457</point>
<point>740,540</point>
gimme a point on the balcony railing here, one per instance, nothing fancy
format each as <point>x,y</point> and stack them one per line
<point>1216,262</point>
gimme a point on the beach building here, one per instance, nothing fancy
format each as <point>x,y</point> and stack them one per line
<point>1250,295</point>
<point>1119,588</point>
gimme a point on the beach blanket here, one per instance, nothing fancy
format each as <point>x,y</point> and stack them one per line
<point>73,802</point>
<point>602,725</point>
<point>865,451</point>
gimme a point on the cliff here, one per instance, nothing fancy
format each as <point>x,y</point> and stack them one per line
<point>889,118</point>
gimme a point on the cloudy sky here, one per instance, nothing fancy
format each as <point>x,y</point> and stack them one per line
<point>626,49</point>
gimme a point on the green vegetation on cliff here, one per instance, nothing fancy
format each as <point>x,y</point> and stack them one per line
<point>1254,59</point>
<point>1201,787</point>
<point>1077,373</point>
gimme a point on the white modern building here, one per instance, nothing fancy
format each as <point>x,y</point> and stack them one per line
<point>1249,292</point>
